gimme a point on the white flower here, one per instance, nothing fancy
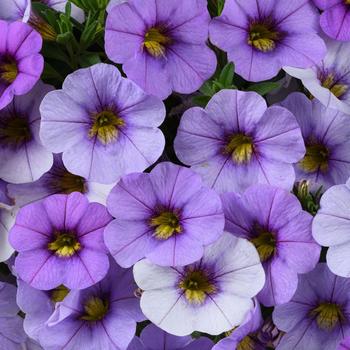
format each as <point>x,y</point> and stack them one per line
<point>329,81</point>
<point>212,296</point>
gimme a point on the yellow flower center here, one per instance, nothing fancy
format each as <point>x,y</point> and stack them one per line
<point>315,159</point>
<point>65,245</point>
<point>347,2</point>
<point>328,315</point>
<point>166,224</point>
<point>65,182</point>
<point>95,309</point>
<point>240,147</point>
<point>8,70</point>
<point>329,82</point>
<point>265,243</point>
<point>262,37</point>
<point>46,31</point>
<point>156,41</point>
<point>59,293</point>
<point>197,286</point>
<point>105,126</point>
<point>247,343</point>
<point>14,131</point>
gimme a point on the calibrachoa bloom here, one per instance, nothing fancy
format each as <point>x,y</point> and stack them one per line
<point>162,44</point>
<point>335,19</point>
<point>237,141</point>
<point>166,216</point>
<point>105,125</point>
<point>344,345</point>
<point>20,62</point>
<point>58,180</point>
<point>326,134</point>
<point>331,228</point>
<point>12,336</point>
<point>5,200</point>
<point>318,315</point>
<point>273,220</point>
<point>262,36</point>
<point>60,241</point>
<point>212,295</point>
<point>103,316</point>
<point>7,220</point>
<point>153,338</point>
<point>23,158</point>
<point>329,81</point>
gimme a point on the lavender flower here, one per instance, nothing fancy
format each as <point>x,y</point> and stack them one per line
<point>106,121</point>
<point>212,295</point>
<point>7,220</point>
<point>335,19</point>
<point>331,228</point>
<point>23,158</point>
<point>58,180</point>
<point>326,134</point>
<point>60,241</point>
<point>20,62</point>
<point>103,316</point>
<point>329,81</point>
<point>166,216</point>
<point>318,315</point>
<point>153,338</point>
<point>344,345</point>
<point>162,44</point>
<point>236,141</point>
<point>273,220</point>
<point>5,201</point>
<point>262,36</point>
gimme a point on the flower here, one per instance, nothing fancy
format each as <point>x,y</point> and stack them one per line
<point>23,158</point>
<point>331,228</point>
<point>273,220</point>
<point>20,62</point>
<point>318,315</point>
<point>245,336</point>
<point>329,81</point>
<point>335,19</point>
<point>108,124</point>
<point>103,316</point>
<point>153,338</point>
<point>344,345</point>
<point>161,44</point>
<point>236,141</point>
<point>13,10</point>
<point>326,134</point>
<point>12,335</point>
<point>212,295</point>
<point>58,180</point>
<point>7,220</point>
<point>166,216</point>
<point>261,36</point>
<point>5,201</point>
<point>60,241</point>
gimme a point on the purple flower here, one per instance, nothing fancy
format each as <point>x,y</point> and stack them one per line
<point>7,220</point>
<point>103,316</point>
<point>23,158</point>
<point>12,335</point>
<point>326,134</point>
<point>318,315</point>
<point>161,44</point>
<point>166,216</point>
<point>105,125</point>
<point>344,345</point>
<point>58,180</point>
<point>329,81</point>
<point>335,19</point>
<point>331,228</point>
<point>153,338</point>
<point>5,201</point>
<point>245,336</point>
<point>20,62</point>
<point>236,141</point>
<point>60,241</point>
<point>212,295</point>
<point>273,220</point>
<point>262,36</point>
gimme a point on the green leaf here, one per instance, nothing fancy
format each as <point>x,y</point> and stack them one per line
<point>263,88</point>
<point>221,4</point>
<point>88,59</point>
<point>201,101</point>
<point>227,74</point>
<point>207,89</point>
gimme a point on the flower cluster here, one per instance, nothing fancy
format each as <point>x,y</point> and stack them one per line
<point>174,175</point>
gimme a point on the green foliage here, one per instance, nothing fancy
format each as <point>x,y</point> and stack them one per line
<point>310,201</point>
<point>264,88</point>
